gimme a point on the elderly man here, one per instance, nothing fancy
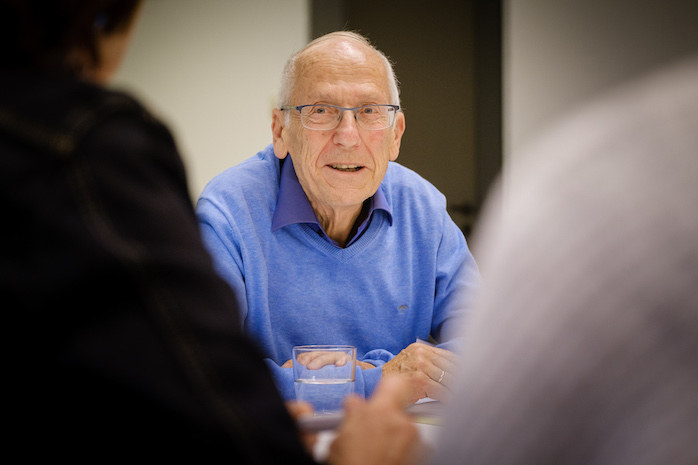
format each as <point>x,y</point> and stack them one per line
<point>325,241</point>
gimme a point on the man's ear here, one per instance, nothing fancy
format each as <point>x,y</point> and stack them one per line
<point>278,119</point>
<point>398,131</point>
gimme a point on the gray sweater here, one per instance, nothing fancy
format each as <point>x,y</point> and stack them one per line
<point>583,345</point>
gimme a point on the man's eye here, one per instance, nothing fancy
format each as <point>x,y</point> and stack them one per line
<point>319,110</point>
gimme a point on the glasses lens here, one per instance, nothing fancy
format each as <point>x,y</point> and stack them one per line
<point>326,117</point>
<point>375,116</point>
<point>319,117</point>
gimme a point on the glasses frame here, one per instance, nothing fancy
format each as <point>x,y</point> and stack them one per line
<point>341,114</point>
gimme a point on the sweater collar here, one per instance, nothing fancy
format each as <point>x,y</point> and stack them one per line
<point>293,206</point>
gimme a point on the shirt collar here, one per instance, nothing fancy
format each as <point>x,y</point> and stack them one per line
<point>293,206</point>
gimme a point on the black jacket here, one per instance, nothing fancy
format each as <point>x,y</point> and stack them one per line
<point>120,339</point>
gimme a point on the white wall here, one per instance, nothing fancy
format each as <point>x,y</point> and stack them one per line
<point>558,54</point>
<point>210,70</point>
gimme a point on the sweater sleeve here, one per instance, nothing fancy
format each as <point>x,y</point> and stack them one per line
<point>226,263</point>
<point>457,278</point>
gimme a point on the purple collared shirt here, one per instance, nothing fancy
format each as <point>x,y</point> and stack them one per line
<point>293,206</point>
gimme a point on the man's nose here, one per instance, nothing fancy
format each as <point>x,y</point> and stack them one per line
<point>347,131</point>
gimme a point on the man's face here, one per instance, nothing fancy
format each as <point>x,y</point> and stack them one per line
<point>339,168</point>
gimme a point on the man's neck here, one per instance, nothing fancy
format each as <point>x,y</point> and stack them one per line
<point>342,225</point>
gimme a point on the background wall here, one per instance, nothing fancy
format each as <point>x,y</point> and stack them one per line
<point>210,69</point>
<point>557,55</point>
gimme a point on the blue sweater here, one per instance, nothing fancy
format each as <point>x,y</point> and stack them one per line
<point>395,284</point>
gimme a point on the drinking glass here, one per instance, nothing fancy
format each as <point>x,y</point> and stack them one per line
<point>324,375</point>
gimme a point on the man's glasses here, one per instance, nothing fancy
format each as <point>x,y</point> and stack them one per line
<point>326,117</point>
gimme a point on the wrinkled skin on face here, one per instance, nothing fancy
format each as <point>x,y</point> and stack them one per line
<point>338,169</point>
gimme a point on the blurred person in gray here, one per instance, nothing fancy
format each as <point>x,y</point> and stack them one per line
<point>583,345</point>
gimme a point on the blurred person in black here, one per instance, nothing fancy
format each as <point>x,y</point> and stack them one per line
<point>120,339</point>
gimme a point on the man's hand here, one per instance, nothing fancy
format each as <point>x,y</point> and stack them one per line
<point>298,409</point>
<point>378,431</point>
<point>428,370</point>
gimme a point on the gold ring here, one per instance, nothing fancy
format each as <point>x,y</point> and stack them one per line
<point>441,378</point>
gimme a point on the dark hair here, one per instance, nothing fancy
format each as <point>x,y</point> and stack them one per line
<point>43,33</point>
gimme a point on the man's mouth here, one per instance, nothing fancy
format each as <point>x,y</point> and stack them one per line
<point>348,168</point>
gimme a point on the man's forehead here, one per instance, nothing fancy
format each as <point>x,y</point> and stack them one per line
<point>327,92</point>
<point>321,76</point>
